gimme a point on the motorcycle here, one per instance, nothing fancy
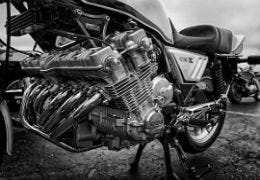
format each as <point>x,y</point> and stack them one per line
<point>244,84</point>
<point>115,73</point>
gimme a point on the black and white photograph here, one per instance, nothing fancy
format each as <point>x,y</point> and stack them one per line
<point>129,90</point>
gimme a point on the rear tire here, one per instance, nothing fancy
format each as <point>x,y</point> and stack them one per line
<point>193,145</point>
<point>234,95</point>
<point>200,141</point>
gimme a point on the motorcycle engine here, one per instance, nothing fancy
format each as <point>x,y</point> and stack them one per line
<point>109,95</point>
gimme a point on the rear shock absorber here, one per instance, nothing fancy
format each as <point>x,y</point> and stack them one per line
<point>218,79</point>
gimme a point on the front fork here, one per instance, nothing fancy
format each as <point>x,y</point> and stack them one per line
<point>4,111</point>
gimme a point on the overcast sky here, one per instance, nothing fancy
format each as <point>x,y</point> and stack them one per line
<point>240,16</point>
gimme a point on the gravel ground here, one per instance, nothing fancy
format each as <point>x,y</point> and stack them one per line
<point>235,155</point>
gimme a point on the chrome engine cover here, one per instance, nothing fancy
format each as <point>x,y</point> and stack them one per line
<point>96,93</point>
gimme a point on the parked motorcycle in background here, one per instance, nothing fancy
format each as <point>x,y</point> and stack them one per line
<point>115,73</point>
<point>245,83</point>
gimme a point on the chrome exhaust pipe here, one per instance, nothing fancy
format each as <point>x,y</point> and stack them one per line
<point>30,98</point>
<point>78,115</point>
<point>46,136</point>
<point>24,114</point>
<point>42,97</point>
<point>53,106</point>
<point>25,102</point>
<point>65,109</point>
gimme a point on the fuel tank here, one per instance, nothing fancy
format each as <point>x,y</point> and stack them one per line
<point>150,13</point>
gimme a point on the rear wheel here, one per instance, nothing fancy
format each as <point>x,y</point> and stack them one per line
<point>194,139</point>
<point>234,94</point>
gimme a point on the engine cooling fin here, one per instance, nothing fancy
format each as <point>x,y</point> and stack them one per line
<point>131,92</point>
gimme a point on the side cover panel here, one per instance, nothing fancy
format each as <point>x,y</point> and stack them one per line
<point>190,66</point>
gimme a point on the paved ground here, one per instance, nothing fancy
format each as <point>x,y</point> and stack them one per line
<point>235,155</point>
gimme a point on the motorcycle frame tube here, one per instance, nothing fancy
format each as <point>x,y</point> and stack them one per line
<point>8,127</point>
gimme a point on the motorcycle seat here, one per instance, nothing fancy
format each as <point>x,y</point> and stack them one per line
<point>205,38</point>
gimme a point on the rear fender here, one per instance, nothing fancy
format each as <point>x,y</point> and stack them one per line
<point>8,127</point>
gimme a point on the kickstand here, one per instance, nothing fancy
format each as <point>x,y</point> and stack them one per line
<point>192,171</point>
<point>134,164</point>
<point>166,148</point>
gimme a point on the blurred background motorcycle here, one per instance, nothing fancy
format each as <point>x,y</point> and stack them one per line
<point>245,84</point>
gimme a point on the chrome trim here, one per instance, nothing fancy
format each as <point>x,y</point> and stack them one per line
<point>14,91</point>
